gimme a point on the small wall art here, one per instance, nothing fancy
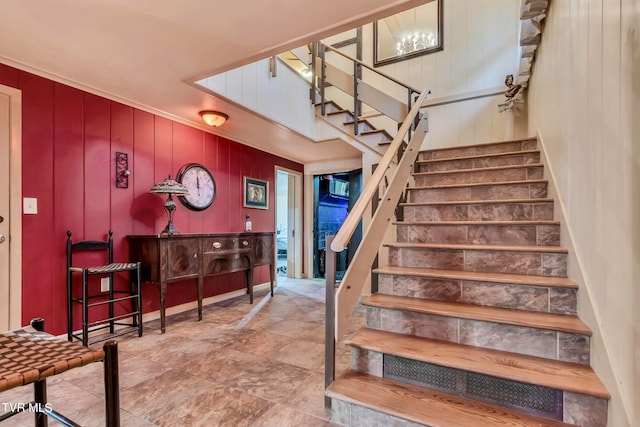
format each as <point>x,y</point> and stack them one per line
<point>256,193</point>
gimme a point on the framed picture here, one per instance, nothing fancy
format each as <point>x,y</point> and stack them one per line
<point>408,34</point>
<point>256,193</point>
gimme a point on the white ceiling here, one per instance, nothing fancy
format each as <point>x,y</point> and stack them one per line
<point>147,53</point>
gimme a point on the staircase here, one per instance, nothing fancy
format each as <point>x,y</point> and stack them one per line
<point>368,135</point>
<point>474,322</point>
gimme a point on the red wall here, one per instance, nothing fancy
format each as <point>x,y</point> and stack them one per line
<point>69,141</point>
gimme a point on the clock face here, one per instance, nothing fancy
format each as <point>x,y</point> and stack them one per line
<point>201,186</point>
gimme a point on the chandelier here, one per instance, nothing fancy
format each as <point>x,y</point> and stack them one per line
<point>415,42</point>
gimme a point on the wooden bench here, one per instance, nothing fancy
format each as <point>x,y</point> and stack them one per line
<point>30,355</point>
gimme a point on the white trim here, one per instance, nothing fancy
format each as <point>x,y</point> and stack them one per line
<point>15,205</point>
<point>298,206</point>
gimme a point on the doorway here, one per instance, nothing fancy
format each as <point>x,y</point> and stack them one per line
<point>288,223</point>
<point>334,196</point>
<point>10,208</point>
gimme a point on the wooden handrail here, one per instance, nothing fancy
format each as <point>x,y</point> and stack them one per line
<point>351,222</point>
<point>359,269</point>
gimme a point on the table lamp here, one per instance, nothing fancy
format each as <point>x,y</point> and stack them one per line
<point>169,187</point>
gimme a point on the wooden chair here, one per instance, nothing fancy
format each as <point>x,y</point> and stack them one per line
<point>30,355</point>
<point>110,297</point>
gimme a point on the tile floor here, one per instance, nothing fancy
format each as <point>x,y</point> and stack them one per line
<point>242,365</point>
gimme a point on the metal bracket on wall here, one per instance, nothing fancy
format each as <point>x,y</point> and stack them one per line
<point>122,170</point>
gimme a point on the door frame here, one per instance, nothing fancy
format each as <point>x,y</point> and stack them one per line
<point>15,205</point>
<point>297,218</point>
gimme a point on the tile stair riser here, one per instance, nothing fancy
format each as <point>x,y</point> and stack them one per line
<point>505,295</point>
<point>565,346</point>
<point>500,147</point>
<point>511,235</point>
<point>585,411</point>
<point>489,261</point>
<point>536,190</point>
<point>485,162</point>
<point>577,407</point>
<point>351,414</point>
<point>480,176</point>
<point>498,211</point>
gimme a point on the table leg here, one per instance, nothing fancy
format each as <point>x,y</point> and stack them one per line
<point>272,273</point>
<point>200,285</point>
<point>163,296</point>
<point>250,284</point>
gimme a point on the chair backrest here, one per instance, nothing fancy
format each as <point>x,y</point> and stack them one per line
<point>89,245</point>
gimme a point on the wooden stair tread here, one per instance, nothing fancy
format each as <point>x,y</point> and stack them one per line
<point>458,147</point>
<point>474,247</point>
<point>332,113</point>
<point>555,374</point>
<point>532,319</point>
<point>477,184</point>
<point>477,276</point>
<point>502,223</point>
<point>372,131</point>
<point>479,156</point>
<point>426,406</point>
<point>476,202</point>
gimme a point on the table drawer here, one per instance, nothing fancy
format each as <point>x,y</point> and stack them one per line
<point>218,244</point>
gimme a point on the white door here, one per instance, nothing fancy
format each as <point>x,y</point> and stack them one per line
<point>4,211</point>
<point>10,208</point>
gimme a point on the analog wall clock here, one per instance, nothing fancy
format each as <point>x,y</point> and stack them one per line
<point>201,186</point>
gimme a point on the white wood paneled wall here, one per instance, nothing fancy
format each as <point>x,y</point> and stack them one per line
<point>481,47</point>
<point>584,100</point>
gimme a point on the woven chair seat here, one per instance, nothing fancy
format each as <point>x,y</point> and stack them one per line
<point>109,268</point>
<point>27,355</point>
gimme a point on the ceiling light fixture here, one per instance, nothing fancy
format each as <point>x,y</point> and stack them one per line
<point>213,118</point>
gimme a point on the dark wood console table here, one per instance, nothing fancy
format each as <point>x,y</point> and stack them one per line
<point>178,257</point>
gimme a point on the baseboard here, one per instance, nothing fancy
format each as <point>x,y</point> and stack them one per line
<point>154,315</point>
<point>191,305</point>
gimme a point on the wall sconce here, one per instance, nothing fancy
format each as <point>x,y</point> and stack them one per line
<point>122,170</point>
<point>213,118</point>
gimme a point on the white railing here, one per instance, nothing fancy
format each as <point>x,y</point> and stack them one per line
<point>392,173</point>
<point>360,267</point>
